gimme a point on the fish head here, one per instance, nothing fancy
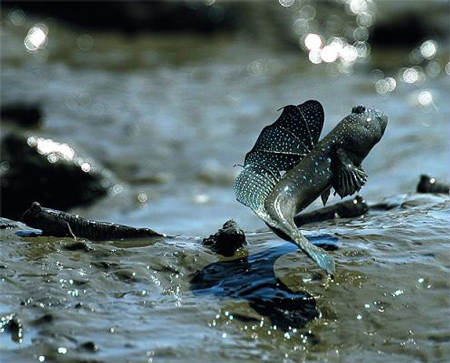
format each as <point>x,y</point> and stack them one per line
<point>361,130</point>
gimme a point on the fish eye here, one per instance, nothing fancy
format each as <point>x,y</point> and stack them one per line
<point>358,109</point>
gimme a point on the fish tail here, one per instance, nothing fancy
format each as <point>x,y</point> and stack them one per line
<point>320,257</point>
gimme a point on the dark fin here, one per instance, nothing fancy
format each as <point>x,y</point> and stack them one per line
<point>325,195</point>
<point>254,184</point>
<point>348,178</point>
<point>290,138</point>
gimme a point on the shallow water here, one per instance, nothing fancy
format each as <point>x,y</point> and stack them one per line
<point>389,299</point>
<point>171,127</point>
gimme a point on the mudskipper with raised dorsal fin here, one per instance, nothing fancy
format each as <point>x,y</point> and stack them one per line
<point>311,168</point>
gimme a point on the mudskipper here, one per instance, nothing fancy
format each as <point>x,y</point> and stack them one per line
<point>288,167</point>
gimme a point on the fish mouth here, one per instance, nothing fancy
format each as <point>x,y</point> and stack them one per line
<point>383,120</point>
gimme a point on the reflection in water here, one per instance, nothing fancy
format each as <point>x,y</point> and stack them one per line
<point>253,279</point>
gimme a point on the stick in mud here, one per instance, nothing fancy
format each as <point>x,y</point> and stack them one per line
<point>61,224</point>
<point>347,209</point>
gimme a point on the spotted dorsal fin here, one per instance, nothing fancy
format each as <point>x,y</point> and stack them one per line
<point>290,138</point>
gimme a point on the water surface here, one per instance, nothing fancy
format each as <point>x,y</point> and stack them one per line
<point>171,124</point>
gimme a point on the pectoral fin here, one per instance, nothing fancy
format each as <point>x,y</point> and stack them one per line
<point>348,178</point>
<point>325,195</point>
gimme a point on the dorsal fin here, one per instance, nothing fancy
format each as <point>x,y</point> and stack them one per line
<point>290,138</point>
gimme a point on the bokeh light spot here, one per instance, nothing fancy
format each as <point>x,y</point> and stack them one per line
<point>428,49</point>
<point>313,41</point>
<point>307,12</point>
<point>410,75</point>
<point>362,49</point>
<point>329,54</point>
<point>433,68</point>
<point>256,68</point>
<point>36,37</point>
<point>364,19</point>
<point>301,26</point>
<point>425,98</point>
<point>349,53</point>
<point>314,56</point>
<point>447,68</point>
<point>286,3</point>
<point>358,6</point>
<point>85,42</point>
<point>86,167</point>
<point>361,34</point>
<point>385,85</point>
<point>17,17</point>
<point>142,197</point>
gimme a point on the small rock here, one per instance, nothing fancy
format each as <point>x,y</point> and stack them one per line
<point>77,246</point>
<point>44,319</point>
<point>227,240</point>
<point>428,184</point>
<point>89,346</point>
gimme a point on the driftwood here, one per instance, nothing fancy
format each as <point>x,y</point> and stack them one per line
<point>346,209</point>
<point>61,224</point>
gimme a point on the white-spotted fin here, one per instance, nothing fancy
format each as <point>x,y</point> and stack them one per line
<point>254,184</point>
<point>290,138</point>
<point>278,148</point>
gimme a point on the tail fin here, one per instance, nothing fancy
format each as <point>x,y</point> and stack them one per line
<point>254,184</point>
<point>321,257</point>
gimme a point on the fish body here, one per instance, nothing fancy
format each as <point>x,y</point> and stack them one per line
<point>311,167</point>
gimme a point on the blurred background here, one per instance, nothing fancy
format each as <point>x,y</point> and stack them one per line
<point>136,112</point>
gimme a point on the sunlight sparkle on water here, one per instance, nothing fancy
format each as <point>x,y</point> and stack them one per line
<point>17,17</point>
<point>62,350</point>
<point>314,56</point>
<point>48,146</point>
<point>86,167</point>
<point>349,53</point>
<point>329,54</point>
<point>142,197</point>
<point>447,68</point>
<point>313,41</point>
<point>425,98</point>
<point>85,42</point>
<point>358,6</point>
<point>286,3</point>
<point>364,19</point>
<point>307,12</point>
<point>410,75</point>
<point>36,37</point>
<point>385,85</point>
<point>428,49</point>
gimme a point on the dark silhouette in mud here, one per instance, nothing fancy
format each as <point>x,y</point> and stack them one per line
<point>253,279</point>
